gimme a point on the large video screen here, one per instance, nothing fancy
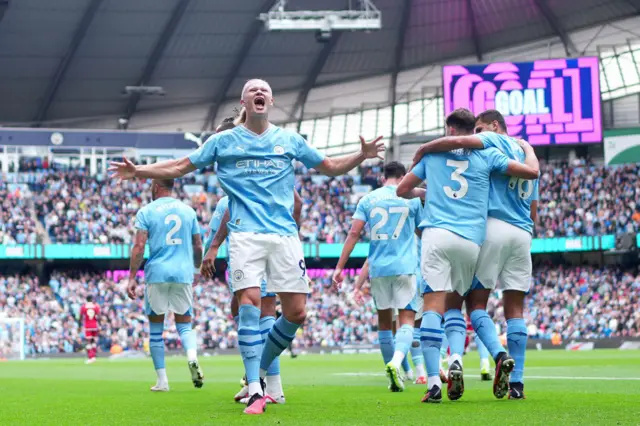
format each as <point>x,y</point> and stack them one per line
<point>551,101</point>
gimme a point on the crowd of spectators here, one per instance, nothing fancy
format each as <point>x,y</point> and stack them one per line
<point>576,198</point>
<point>573,302</point>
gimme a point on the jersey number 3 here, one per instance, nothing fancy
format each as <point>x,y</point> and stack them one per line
<point>460,167</point>
<point>379,211</point>
<point>170,241</point>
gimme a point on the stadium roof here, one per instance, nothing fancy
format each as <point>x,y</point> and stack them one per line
<point>69,59</point>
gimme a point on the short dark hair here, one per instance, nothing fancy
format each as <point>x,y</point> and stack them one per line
<point>226,124</point>
<point>492,115</point>
<point>394,169</point>
<point>461,119</point>
<point>89,298</point>
<point>165,183</point>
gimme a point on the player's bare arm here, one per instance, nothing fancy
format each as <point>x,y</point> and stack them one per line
<point>208,263</point>
<point>352,238</point>
<point>534,211</point>
<point>169,169</point>
<point>409,187</point>
<point>196,240</point>
<point>447,143</point>
<point>358,294</point>
<point>297,208</point>
<point>336,166</point>
<point>137,256</point>
<point>531,167</point>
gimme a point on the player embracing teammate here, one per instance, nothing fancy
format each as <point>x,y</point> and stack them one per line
<point>469,177</point>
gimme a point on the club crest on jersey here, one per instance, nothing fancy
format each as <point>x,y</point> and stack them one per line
<point>238,275</point>
<point>278,150</point>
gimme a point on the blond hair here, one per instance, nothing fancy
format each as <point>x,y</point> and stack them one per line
<point>241,118</point>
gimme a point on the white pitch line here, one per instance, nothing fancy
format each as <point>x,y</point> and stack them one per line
<point>526,377</point>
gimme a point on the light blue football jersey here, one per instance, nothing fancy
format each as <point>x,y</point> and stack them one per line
<point>216,219</point>
<point>392,223</point>
<point>171,225</point>
<point>256,172</point>
<point>510,197</point>
<point>458,190</point>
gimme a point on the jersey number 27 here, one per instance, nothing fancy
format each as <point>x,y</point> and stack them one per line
<point>379,211</point>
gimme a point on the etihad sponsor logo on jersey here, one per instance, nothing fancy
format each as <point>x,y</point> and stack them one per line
<point>257,166</point>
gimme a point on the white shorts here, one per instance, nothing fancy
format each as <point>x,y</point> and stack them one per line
<point>395,292</point>
<point>448,261</point>
<point>276,258</point>
<point>505,258</point>
<point>160,298</point>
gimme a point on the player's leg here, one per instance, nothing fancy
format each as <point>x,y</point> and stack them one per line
<point>234,309</point>
<point>385,334</point>
<point>248,260</point>
<point>91,347</point>
<point>463,256</point>
<point>275,394</point>
<point>181,304</point>
<point>515,280</point>
<point>416,350</point>
<point>156,304</point>
<point>483,352</point>
<point>517,336</point>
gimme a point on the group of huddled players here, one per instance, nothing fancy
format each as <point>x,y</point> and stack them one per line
<point>470,176</point>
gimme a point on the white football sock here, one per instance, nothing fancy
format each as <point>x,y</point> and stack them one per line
<point>162,375</point>
<point>434,381</point>
<point>274,386</point>
<point>420,371</point>
<point>455,357</point>
<point>192,355</point>
<point>255,388</point>
<point>398,356</point>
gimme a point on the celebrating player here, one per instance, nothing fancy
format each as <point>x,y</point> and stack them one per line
<point>89,314</point>
<point>255,169</point>
<point>453,230</point>
<point>506,253</point>
<point>392,261</point>
<point>175,247</point>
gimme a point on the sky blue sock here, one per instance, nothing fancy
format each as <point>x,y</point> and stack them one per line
<point>187,336</point>
<point>431,339</point>
<point>416,350</point>
<point>517,342</point>
<point>456,330</point>
<point>156,344</point>
<point>266,323</point>
<point>250,341</point>
<point>482,349</point>
<point>386,345</point>
<point>278,339</point>
<point>445,346</point>
<point>404,337</point>
<point>486,330</point>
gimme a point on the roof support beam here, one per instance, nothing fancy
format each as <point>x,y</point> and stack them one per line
<point>474,30</point>
<point>63,66</point>
<point>397,62</point>
<point>156,54</point>
<point>312,77</point>
<point>249,38</point>
<point>4,5</point>
<point>569,48</point>
<point>635,4</point>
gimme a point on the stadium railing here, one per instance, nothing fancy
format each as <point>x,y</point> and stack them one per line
<point>317,250</point>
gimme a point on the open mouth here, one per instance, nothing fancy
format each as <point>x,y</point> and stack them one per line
<point>259,102</point>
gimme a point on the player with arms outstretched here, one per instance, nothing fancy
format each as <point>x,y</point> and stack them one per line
<point>255,169</point>
<point>505,256</point>
<point>392,261</point>
<point>453,231</point>
<point>175,249</point>
<point>89,314</point>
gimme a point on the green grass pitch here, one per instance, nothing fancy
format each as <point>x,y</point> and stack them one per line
<point>565,388</point>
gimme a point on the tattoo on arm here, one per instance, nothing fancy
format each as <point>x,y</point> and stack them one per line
<point>137,253</point>
<point>197,250</point>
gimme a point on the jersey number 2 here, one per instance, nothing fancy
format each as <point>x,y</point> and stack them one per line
<point>460,167</point>
<point>379,211</point>
<point>170,241</point>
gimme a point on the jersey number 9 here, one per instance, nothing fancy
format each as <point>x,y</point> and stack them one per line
<point>379,211</point>
<point>169,240</point>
